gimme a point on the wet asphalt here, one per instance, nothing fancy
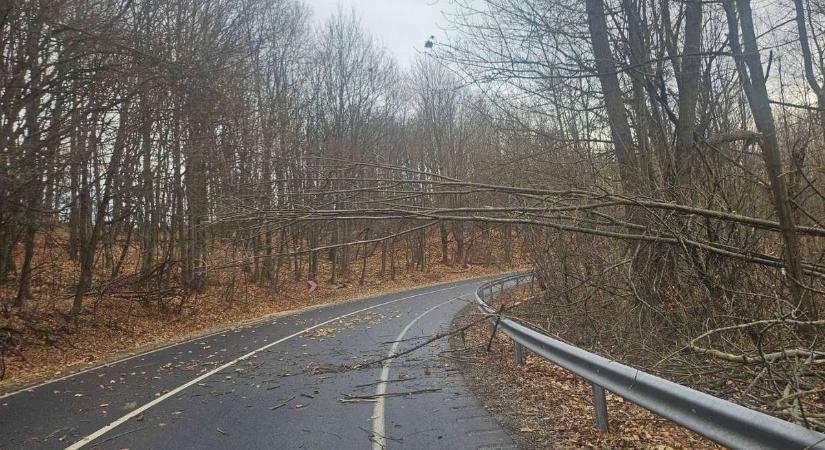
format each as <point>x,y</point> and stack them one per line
<point>310,391</point>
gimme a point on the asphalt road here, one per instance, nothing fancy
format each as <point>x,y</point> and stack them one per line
<point>283,384</point>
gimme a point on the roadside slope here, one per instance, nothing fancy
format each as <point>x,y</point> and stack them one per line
<point>106,335</point>
<point>296,381</point>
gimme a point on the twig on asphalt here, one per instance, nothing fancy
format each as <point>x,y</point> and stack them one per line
<point>282,404</point>
<point>387,394</point>
<point>397,380</point>
<point>112,438</point>
<point>423,344</point>
<point>357,400</point>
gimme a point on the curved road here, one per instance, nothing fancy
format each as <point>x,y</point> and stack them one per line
<point>283,384</point>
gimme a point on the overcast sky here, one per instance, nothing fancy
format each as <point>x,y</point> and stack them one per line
<point>401,25</point>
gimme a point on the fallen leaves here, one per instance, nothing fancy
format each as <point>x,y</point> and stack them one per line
<point>321,332</point>
<point>550,407</point>
<point>119,328</point>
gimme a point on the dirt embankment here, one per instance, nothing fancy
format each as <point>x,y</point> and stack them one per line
<point>544,406</point>
<point>52,345</point>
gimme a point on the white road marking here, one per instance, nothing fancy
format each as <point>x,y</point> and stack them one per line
<point>248,324</point>
<point>118,361</point>
<point>136,412</point>
<point>379,437</point>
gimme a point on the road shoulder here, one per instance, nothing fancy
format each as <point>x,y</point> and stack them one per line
<point>543,406</point>
<point>56,372</point>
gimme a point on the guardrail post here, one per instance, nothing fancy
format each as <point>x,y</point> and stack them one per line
<point>600,404</point>
<point>724,422</point>
<point>518,353</point>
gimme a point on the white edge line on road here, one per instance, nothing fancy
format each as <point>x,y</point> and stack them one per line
<point>117,361</point>
<point>248,324</point>
<point>379,437</point>
<point>137,411</point>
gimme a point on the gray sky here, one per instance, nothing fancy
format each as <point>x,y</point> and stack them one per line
<point>401,25</point>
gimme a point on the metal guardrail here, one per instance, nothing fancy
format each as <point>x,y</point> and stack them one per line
<point>721,421</point>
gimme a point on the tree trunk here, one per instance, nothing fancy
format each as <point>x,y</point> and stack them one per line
<point>611,89</point>
<point>688,81</point>
<point>89,248</point>
<point>383,271</point>
<point>24,287</point>
<point>460,251</point>
<point>364,260</point>
<point>197,208</point>
<point>148,226</point>
<point>445,243</point>
<point>508,242</point>
<point>749,66</point>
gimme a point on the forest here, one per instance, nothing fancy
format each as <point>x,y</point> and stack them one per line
<point>658,162</point>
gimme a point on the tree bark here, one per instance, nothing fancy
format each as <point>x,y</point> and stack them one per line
<point>611,89</point>
<point>89,247</point>
<point>688,81</point>
<point>749,66</point>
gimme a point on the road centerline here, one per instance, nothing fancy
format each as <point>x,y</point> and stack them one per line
<point>137,411</point>
<point>379,438</point>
